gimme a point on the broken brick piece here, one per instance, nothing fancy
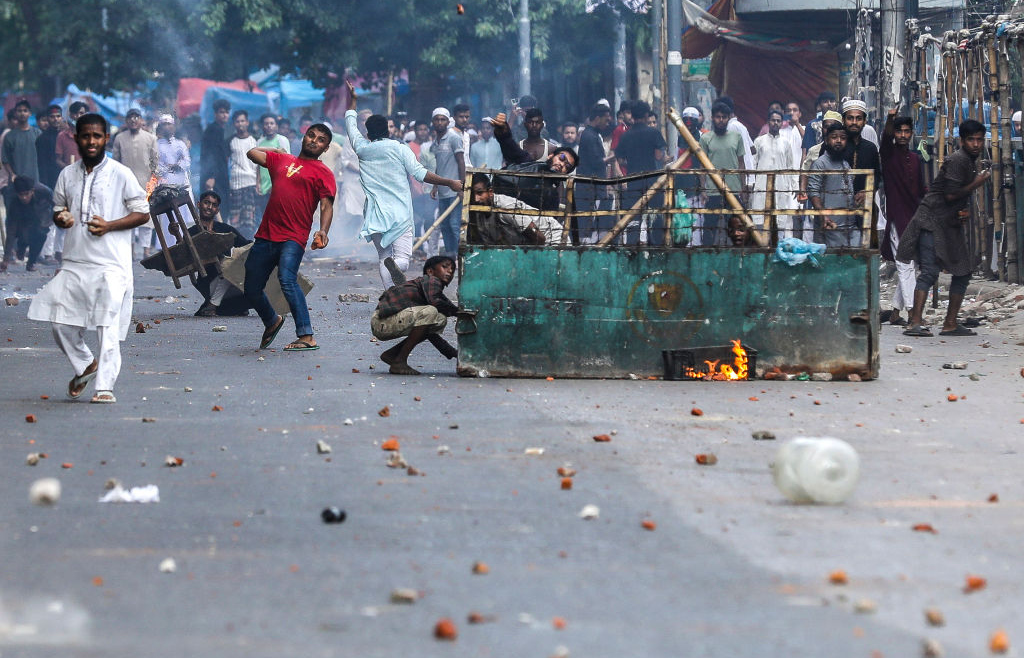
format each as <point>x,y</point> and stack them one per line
<point>217,407</point>
<point>566,472</point>
<point>140,328</point>
<point>390,444</point>
<point>838,577</point>
<point>647,524</point>
<point>477,618</point>
<point>924,527</point>
<point>385,412</point>
<point>999,642</point>
<point>706,459</point>
<point>67,465</point>
<point>566,484</point>
<point>696,412</point>
<point>481,568</point>
<point>952,397</point>
<point>974,583</point>
<point>994,498</point>
<point>445,629</point>
<point>558,623</point>
<point>602,438</point>
<point>30,418</point>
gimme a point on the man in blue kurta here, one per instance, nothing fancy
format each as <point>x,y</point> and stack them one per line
<point>385,166</point>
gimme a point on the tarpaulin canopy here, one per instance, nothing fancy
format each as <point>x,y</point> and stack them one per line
<point>753,77</point>
<point>106,106</point>
<point>743,33</point>
<point>294,94</point>
<point>192,90</point>
<point>253,103</point>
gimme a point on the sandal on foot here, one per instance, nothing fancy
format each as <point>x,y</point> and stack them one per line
<point>303,346</point>
<point>919,331</point>
<point>402,369</point>
<point>271,333</point>
<point>959,331</point>
<point>78,383</point>
<point>103,397</point>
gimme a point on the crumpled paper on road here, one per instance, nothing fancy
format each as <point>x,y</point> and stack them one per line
<point>147,494</point>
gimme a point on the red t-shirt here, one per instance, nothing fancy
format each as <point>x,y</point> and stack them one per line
<point>297,186</point>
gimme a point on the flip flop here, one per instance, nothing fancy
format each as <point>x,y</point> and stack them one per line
<point>306,347</point>
<point>78,383</point>
<point>271,333</point>
<point>918,331</point>
<point>959,331</point>
<point>103,397</point>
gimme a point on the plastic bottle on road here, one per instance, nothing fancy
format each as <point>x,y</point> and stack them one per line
<point>816,470</point>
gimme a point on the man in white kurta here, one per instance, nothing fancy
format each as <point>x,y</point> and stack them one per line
<point>385,166</point>
<point>773,152</point>
<point>98,201</point>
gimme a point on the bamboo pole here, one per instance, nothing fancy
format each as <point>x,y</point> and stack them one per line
<point>768,219</point>
<point>940,112</point>
<point>570,206</point>
<point>437,222</point>
<point>993,116</point>
<point>641,203</point>
<point>1010,237</point>
<point>730,198</point>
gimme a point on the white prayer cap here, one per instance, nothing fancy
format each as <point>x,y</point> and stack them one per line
<point>604,101</point>
<point>442,112</point>
<point>855,104</point>
<point>166,118</point>
<point>691,112</point>
<point>1016,116</point>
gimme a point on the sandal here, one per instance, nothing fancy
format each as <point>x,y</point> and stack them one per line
<point>78,383</point>
<point>959,331</point>
<point>103,397</point>
<point>919,331</point>
<point>303,346</point>
<point>271,333</point>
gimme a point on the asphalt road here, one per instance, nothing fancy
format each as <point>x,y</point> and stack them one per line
<point>731,570</point>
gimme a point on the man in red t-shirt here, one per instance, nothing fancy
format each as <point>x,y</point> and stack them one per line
<point>298,185</point>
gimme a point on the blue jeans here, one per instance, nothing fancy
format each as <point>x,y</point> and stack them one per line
<point>451,226</point>
<point>285,256</point>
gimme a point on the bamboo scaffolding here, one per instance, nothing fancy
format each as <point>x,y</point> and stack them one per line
<point>1010,237</point>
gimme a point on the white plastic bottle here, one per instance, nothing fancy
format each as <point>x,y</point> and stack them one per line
<point>816,470</point>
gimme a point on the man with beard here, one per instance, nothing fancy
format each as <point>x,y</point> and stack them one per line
<point>98,202</point>
<point>904,189</point>
<point>569,132</point>
<point>220,296</point>
<point>831,192</point>
<point>935,237</point>
<point>860,152</point>
<point>726,151</point>
<point>135,148</point>
<point>298,185</point>
<point>774,151</point>
<point>537,192</point>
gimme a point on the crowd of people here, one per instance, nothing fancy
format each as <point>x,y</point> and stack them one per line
<point>390,180</point>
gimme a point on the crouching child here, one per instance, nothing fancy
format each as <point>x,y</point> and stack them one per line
<point>418,310</point>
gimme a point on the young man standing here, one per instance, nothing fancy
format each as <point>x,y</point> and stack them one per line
<point>299,184</point>
<point>641,149</point>
<point>773,151</point>
<point>270,140</point>
<point>460,116</point>
<point>904,189</point>
<point>213,158</point>
<point>136,149</point>
<point>935,237</point>
<point>860,152</point>
<point>448,150</point>
<point>67,147</point>
<point>534,143</point>
<point>593,163</point>
<point>485,153</point>
<point>418,310</point>
<point>385,166</point>
<point>243,176</point>
<point>98,201</point>
<point>19,150</point>
<point>726,151</point>
<point>46,147</point>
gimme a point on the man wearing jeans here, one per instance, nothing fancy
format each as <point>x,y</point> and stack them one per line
<point>447,148</point>
<point>298,185</point>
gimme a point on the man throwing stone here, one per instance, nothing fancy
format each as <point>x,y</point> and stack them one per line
<point>98,201</point>
<point>298,185</point>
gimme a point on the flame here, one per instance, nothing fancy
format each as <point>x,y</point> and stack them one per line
<point>717,371</point>
<point>150,186</point>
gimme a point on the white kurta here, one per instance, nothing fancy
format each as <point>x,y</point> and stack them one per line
<point>772,154</point>
<point>547,226</point>
<point>94,286</point>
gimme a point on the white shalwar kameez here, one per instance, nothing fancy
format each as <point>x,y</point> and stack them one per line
<point>94,288</point>
<point>772,153</point>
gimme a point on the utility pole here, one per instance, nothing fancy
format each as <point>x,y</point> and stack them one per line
<point>893,26</point>
<point>524,47</point>
<point>656,31</point>
<point>674,63</point>
<point>619,60</point>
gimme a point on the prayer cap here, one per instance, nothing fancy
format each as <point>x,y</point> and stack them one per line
<point>832,115</point>
<point>442,112</point>
<point>166,118</point>
<point>855,104</point>
<point>691,112</point>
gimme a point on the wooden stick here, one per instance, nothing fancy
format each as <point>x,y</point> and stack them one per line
<point>1010,237</point>
<point>658,185</point>
<point>730,198</point>
<point>437,222</point>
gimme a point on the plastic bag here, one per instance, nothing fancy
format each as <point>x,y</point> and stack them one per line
<point>794,251</point>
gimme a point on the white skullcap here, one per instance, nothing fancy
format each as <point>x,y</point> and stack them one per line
<point>604,101</point>
<point>166,118</point>
<point>691,112</point>
<point>1016,116</point>
<point>855,104</point>
<point>441,111</point>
